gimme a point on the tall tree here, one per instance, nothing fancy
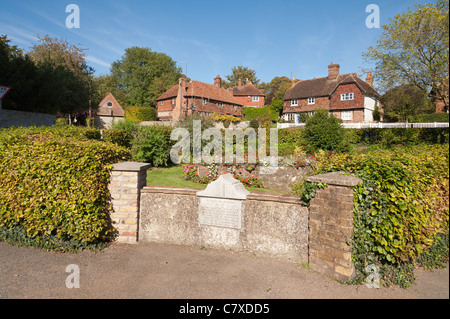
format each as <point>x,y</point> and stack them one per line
<point>414,49</point>
<point>144,75</point>
<point>240,72</point>
<point>403,101</point>
<point>64,74</point>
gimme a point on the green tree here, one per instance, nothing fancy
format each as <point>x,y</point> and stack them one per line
<point>144,75</point>
<point>414,49</point>
<point>324,131</point>
<point>240,72</point>
<point>64,74</point>
<point>42,80</point>
<point>403,101</point>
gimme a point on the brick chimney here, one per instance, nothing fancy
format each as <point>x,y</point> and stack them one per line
<point>369,79</point>
<point>218,81</point>
<point>239,82</point>
<point>333,71</point>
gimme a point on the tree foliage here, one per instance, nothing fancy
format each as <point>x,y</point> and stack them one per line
<point>403,101</point>
<point>53,77</point>
<point>144,75</point>
<point>414,49</point>
<point>240,72</point>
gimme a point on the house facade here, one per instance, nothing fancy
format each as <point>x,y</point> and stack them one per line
<point>109,110</point>
<point>185,98</point>
<point>346,96</point>
<point>248,94</point>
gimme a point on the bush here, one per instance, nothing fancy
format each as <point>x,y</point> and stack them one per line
<point>141,113</point>
<point>323,131</point>
<point>254,124</point>
<point>152,145</point>
<point>118,137</point>
<point>429,118</point>
<point>259,112</point>
<point>401,208</point>
<point>55,188</point>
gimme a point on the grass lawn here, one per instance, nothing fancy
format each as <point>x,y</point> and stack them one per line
<point>174,176</point>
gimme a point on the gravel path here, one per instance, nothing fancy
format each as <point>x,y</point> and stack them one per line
<point>150,270</point>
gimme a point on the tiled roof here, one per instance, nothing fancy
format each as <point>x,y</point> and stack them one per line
<point>114,110</point>
<point>202,90</point>
<point>248,89</point>
<point>324,87</point>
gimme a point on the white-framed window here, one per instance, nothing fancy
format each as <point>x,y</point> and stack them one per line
<point>204,101</point>
<point>347,115</point>
<point>310,113</point>
<point>347,97</point>
<point>290,116</point>
<point>234,107</point>
<point>220,104</point>
<point>294,102</point>
<point>311,100</point>
<point>255,98</point>
<point>173,100</point>
<point>162,103</point>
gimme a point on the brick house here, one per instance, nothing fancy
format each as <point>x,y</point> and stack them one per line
<point>182,99</point>
<point>109,110</point>
<point>345,95</point>
<point>248,94</point>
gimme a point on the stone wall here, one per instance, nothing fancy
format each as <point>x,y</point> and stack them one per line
<point>273,224</point>
<point>10,118</point>
<point>226,216</point>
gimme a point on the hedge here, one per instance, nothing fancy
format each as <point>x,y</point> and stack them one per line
<point>55,186</point>
<point>141,113</point>
<point>401,209</point>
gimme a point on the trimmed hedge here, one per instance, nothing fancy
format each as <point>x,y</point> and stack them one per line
<point>55,186</point>
<point>141,113</point>
<point>401,209</point>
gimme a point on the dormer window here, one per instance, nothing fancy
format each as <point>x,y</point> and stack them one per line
<point>311,100</point>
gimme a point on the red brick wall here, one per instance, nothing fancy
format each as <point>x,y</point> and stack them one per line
<point>248,101</point>
<point>357,102</point>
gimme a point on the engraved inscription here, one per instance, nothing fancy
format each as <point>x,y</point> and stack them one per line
<point>220,212</point>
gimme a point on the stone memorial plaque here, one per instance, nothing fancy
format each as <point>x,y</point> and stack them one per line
<point>220,212</point>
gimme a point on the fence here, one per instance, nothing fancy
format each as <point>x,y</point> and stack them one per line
<point>372,125</point>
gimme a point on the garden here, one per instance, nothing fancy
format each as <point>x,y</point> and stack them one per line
<point>54,195</point>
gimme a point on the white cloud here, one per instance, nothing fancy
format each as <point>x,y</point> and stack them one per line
<point>98,61</point>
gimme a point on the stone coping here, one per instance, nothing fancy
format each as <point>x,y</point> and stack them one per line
<point>131,166</point>
<point>262,196</point>
<point>335,178</point>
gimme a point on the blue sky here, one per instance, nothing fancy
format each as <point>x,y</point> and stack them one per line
<point>275,38</point>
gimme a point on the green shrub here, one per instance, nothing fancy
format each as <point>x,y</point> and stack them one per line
<point>52,186</point>
<point>429,118</point>
<point>141,113</point>
<point>118,137</point>
<point>254,124</point>
<point>401,208</point>
<point>152,145</point>
<point>290,135</point>
<point>323,131</point>
<point>250,113</point>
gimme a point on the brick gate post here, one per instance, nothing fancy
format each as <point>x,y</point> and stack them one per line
<point>127,180</point>
<point>331,225</point>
